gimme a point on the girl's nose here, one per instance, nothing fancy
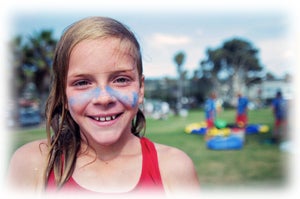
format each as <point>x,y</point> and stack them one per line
<point>104,98</point>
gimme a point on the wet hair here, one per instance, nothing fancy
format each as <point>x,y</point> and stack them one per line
<point>62,131</point>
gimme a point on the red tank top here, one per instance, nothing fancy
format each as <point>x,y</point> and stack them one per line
<point>150,179</point>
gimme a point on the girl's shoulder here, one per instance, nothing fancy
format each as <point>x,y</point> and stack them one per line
<point>31,151</point>
<point>169,155</point>
<point>177,169</point>
<point>27,164</point>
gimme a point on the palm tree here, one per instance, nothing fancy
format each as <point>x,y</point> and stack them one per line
<point>32,60</point>
<point>179,59</point>
<point>18,76</point>
<point>39,54</point>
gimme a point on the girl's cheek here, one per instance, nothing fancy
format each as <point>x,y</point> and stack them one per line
<point>75,103</point>
<point>135,100</point>
<point>85,97</point>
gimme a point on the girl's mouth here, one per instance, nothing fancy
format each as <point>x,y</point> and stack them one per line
<point>105,118</point>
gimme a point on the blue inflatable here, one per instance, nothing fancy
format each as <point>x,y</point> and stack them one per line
<point>200,131</point>
<point>225,143</point>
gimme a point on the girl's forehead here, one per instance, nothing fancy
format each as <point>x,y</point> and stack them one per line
<point>113,45</point>
<point>102,69</point>
<point>102,56</point>
<point>106,47</point>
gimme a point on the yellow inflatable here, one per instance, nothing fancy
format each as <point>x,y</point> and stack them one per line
<point>194,126</point>
<point>264,129</point>
<point>218,132</point>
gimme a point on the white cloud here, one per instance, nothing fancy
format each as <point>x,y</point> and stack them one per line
<point>277,55</point>
<point>159,50</point>
<point>163,69</point>
<point>167,39</point>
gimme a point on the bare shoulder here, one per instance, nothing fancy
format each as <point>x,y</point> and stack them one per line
<point>27,164</point>
<point>31,152</point>
<point>177,169</point>
<point>171,155</point>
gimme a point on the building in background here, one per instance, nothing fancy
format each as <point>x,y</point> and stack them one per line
<point>266,91</point>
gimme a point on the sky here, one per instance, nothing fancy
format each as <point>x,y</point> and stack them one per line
<point>164,31</point>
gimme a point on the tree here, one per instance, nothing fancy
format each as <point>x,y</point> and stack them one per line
<point>18,77</point>
<point>39,54</point>
<point>200,86</point>
<point>179,59</point>
<point>31,64</point>
<point>235,63</point>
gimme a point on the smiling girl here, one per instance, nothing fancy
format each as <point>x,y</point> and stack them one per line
<point>94,141</point>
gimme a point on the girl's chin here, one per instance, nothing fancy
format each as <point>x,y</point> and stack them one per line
<point>106,138</point>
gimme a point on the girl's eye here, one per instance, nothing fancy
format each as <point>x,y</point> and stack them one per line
<point>81,83</point>
<point>122,80</point>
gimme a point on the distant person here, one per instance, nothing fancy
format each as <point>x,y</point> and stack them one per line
<point>219,106</point>
<point>95,143</point>
<point>242,111</point>
<point>279,106</point>
<point>210,110</point>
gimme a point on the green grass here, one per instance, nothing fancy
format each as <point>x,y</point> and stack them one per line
<point>256,164</point>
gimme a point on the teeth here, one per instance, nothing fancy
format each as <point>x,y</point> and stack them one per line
<point>102,119</point>
<point>107,118</point>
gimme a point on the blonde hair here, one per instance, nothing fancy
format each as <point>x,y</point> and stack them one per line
<point>64,138</point>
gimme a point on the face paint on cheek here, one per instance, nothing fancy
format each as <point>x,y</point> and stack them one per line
<point>84,97</point>
<point>135,97</point>
<point>129,99</point>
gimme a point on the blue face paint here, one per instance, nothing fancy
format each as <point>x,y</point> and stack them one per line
<point>85,97</point>
<point>135,99</point>
<point>125,99</point>
<point>96,93</point>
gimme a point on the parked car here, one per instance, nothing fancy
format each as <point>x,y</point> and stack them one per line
<point>29,116</point>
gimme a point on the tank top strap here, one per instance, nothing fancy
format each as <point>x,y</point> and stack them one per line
<point>150,171</point>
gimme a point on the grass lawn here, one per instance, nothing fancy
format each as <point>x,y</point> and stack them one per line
<point>257,164</point>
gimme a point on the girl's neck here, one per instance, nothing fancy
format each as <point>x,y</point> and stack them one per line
<point>126,145</point>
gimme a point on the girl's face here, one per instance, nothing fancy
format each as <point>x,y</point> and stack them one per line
<point>103,89</point>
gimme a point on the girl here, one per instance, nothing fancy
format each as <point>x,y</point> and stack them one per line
<point>94,141</point>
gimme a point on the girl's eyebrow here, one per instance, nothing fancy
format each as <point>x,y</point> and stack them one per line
<point>123,71</point>
<point>117,71</point>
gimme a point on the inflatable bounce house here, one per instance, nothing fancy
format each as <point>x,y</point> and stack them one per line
<point>225,136</point>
